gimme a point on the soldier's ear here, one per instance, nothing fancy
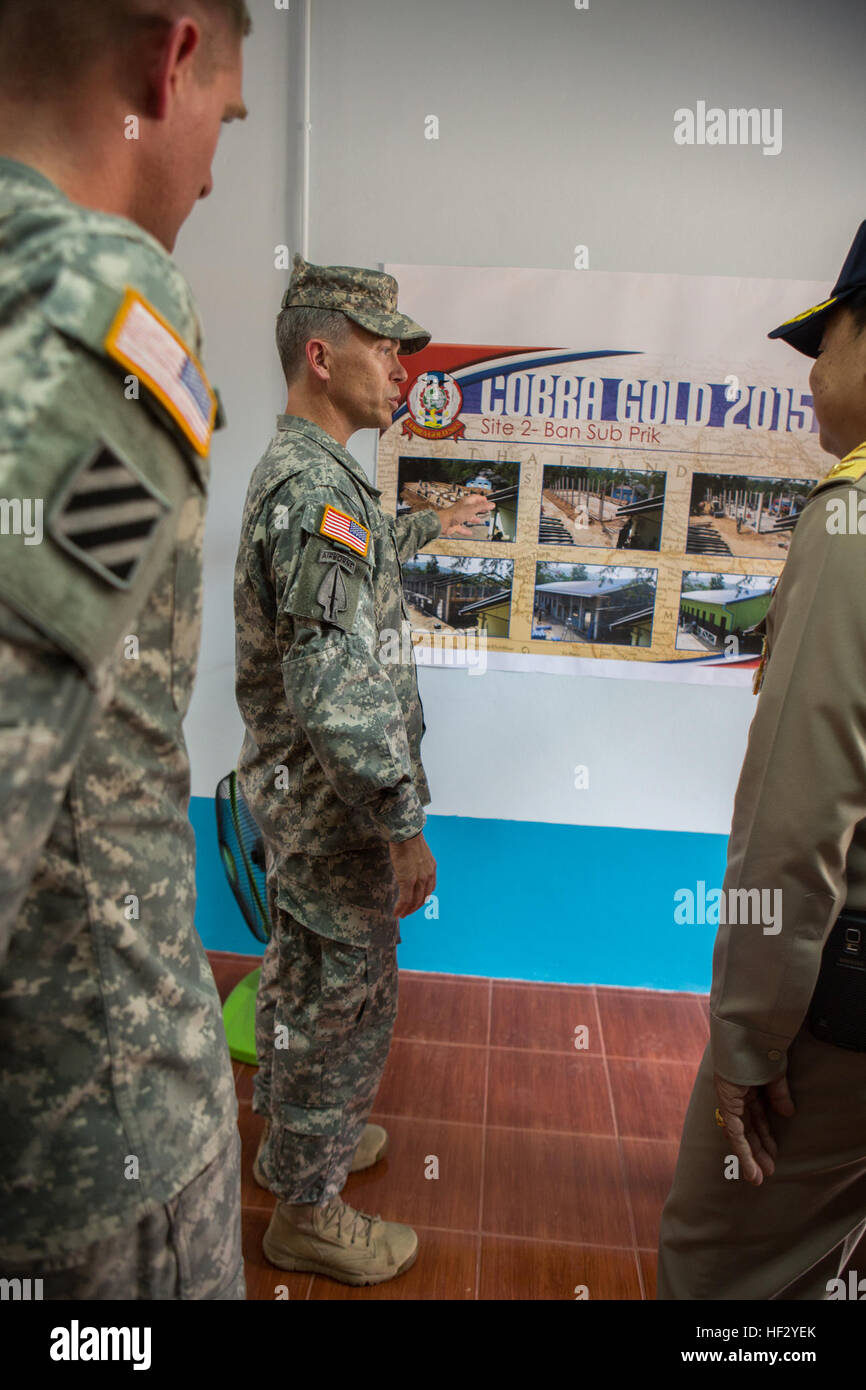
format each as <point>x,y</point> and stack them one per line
<point>167,55</point>
<point>319,358</point>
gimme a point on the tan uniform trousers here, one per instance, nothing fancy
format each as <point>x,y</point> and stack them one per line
<point>722,1238</point>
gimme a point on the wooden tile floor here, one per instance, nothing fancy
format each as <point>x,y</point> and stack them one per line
<point>554,1163</point>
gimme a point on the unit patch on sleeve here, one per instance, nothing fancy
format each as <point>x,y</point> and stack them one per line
<point>142,340</point>
<point>106,514</point>
<point>341,527</point>
<point>327,586</point>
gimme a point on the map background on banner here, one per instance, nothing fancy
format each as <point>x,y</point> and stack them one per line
<point>649,312</point>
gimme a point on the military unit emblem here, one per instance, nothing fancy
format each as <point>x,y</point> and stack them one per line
<point>434,403</point>
<point>106,515</point>
<point>332,595</point>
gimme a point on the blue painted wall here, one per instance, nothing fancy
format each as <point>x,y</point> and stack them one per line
<point>521,900</point>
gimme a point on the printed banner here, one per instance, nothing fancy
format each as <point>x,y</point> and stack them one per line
<point>646,475</point>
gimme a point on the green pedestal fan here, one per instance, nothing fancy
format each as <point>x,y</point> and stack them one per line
<point>243,856</point>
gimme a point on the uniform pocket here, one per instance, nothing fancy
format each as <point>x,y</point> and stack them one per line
<point>363,887</point>
<point>345,987</point>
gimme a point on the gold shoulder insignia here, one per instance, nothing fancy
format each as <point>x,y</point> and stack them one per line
<point>852,467</point>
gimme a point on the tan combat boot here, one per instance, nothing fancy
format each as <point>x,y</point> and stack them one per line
<point>338,1241</point>
<point>372,1146</point>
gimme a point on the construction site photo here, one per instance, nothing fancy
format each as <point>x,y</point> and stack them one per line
<point>594,603</point>
<point>455,593</point>
<point>615,508</point>
<point>718,611</point>
<point>423,483</point>
<point>744,516</point>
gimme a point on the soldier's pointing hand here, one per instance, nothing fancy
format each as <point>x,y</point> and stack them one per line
<point>470,512</point>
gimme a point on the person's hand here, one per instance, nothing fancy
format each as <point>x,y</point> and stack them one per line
<point>744,1111</point>
<point>415,869</point>
<point>456,520</point>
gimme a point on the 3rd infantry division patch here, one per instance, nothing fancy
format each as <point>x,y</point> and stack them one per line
<point>106,514</point>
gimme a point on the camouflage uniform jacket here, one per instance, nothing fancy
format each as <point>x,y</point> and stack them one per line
<point>331,760</point>
<point>115,1082</point>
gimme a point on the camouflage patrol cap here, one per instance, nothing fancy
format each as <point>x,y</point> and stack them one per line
<point>367,297</point>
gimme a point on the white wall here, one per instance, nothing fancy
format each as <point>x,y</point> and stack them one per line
<point>555,128</point>
<point>226,251</point>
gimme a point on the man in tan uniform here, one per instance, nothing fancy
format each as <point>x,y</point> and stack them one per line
<point>769,1196</point>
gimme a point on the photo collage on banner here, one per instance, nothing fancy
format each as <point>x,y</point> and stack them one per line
<point>643,501</point>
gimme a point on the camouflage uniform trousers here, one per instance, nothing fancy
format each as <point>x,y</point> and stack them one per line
<point>188,1249</point>
<point>333,1003</point>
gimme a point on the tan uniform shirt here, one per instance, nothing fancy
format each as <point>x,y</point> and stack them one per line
<point>799,824</point>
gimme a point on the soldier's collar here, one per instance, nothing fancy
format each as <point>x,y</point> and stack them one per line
<point>28,173</point>
<point>327,441</point>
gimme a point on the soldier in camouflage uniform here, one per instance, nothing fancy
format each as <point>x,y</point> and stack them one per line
<point>331,765</point>
<point>119,1171</point>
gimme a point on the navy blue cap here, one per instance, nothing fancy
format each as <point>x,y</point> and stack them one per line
<point>805,331</point>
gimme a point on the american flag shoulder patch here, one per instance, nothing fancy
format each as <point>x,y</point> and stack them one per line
<point>341,527</point>
<point>106,514</point>
<point>145,343</point>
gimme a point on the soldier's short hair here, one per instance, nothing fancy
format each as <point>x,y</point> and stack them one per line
<point>296,325</point>
<point>41,40</point>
